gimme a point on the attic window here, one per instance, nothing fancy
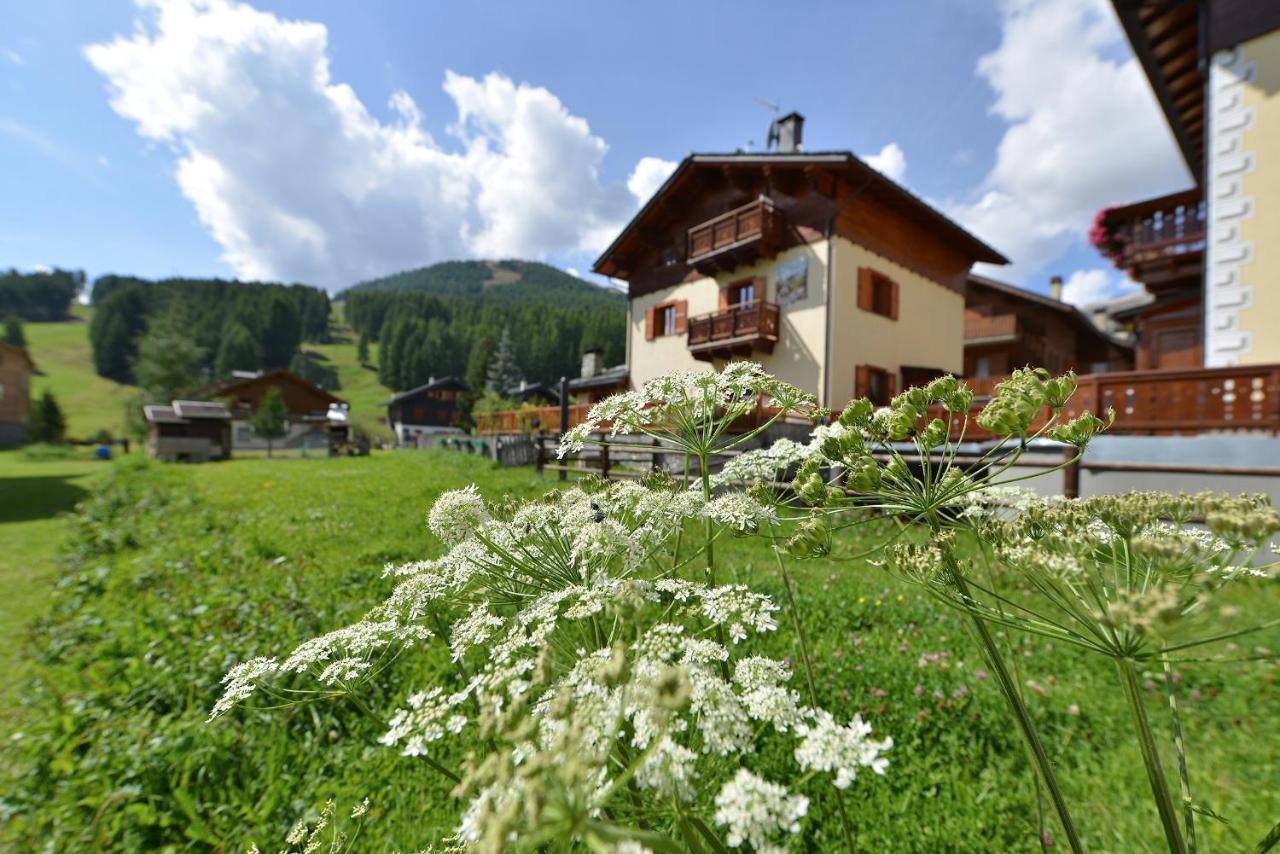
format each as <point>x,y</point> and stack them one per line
<point>669,257</point>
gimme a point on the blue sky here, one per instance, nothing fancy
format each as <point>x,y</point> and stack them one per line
<point>323,141</point>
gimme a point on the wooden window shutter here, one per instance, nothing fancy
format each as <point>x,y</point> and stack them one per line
<point>762,282</point>
<point>866,289</point>
<point>724,297</point>
<point>861,381</point>
<point>890,383</point>
<point>893,301</point>
<point>682,316</point>
<point>650,323</point>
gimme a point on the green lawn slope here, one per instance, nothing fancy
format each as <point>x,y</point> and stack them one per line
<point>65,364</point>
<point>91,403</point>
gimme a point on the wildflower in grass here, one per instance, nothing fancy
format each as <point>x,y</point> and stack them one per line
<point>457,514</point>
<point>840,750</point>
<point>758,813</point>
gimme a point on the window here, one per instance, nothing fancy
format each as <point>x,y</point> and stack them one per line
<point>419,413</point>
<point>667,320</point>
<point>742,293</point>
<point>982,367</point>
<point>668,258</point>
<point>877,293</point>
<point>875,384</point>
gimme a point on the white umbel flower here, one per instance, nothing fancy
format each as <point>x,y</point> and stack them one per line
<point>840,750</point>
<point>756,812</point>
<point>457,514</point>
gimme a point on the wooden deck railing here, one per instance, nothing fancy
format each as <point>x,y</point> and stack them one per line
<point>1158,228</point>
<point>1164,402</point>
<point>529,419</point>
<point>754,221</point>
<point>758,319</point>
<point>994,326</point>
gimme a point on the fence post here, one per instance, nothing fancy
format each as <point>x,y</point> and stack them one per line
<point>1071,475</point>
<point>604,461</point>
<point>564,416</point>
<point>538,453</point>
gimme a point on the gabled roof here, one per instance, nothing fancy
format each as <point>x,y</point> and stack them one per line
<point>610,376</point>
<point>1068,310</point>
<point>441,384</point>
<point>162,415</point>
<point>196,409</point>
<point>20,353</point>
<point>229,388</point>
<point>843,163</point>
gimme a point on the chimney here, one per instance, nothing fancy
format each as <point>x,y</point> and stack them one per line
<point>786,134</point>
<point>1055,287</point>
<point>592,363</point>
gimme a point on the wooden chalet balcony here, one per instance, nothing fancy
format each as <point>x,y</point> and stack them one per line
<point>1160,238</point>
<point>738,330</point>
<point>1168,402</point>
<point>996,327</point>
<point>529,419</point>
<point>738,237</point>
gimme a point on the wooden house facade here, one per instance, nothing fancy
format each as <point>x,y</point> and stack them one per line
<point>16,370</point>
<point>1207,254</point>
<point>307,409</point>
<point>1007,327</point>
<point>827,272</point>
<point>420,413</point>
<point>189,431</point>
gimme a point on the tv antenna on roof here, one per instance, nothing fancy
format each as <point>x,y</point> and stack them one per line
<point>775,109</point>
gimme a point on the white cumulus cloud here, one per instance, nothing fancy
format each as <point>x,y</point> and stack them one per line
<point>1084,131</point>
<point>648,176</point>
<point>891,162</point>
<point>1085,287</point>
<point>296,180</point>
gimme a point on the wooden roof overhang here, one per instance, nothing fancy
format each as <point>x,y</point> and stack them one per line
<point>805,188</point>
<point>1068,310</point>
<point>1167,37</point>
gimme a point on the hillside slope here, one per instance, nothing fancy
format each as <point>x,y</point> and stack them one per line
<point>518,281</point>
<point>91,403</point>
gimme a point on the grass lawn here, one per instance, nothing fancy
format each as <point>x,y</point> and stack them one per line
<point>65,361</point>
<point>175,573</point>
<point>34,496</point>
<point>359,383</point>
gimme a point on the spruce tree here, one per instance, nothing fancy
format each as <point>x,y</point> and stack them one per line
<point>13,333</point>
<point>362,349</point>
<point>45,422</point>
<point>504,374</point>
<point>237,351</point>
<point>111,348</point>
<point>268,419</point>
<point>169,365</point>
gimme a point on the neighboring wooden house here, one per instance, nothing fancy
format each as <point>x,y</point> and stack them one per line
<point>192,431</point>
<point>311,412</point>
<point>1007,327</point>
<point>1208,255</point>
<point>16,370</point>
<point>428,410</point>
<point>830,274</point>
<point>534,394</point>
<point>595,382</point>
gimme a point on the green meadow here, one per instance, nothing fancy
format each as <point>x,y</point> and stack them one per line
<point>122,616</point>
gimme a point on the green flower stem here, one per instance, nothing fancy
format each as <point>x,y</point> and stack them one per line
<point>813,688</point>
<point>1184,779</point>
<point>1151,756</point>
<point>1014,698</point>
<point>708,534</point>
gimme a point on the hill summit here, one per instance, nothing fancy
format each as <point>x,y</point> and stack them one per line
<point>517,281</point>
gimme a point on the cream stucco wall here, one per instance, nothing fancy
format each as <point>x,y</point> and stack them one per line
<point>1260,317</point>
<point>929,331</point>
<point>797,357</point>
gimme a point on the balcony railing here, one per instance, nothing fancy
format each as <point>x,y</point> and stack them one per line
<point>738,237</point>
<point>1166,402</point>
<point>528,419</point>
<point>737,330</point>
<point>1157,232</point>
<point>994,326</point>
